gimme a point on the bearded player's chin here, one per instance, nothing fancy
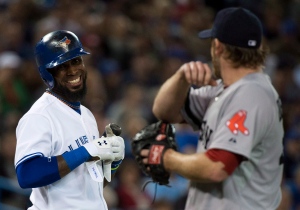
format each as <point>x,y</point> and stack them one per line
<point>79,94</point>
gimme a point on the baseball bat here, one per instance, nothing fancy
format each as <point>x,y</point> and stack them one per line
<point>111,129</point>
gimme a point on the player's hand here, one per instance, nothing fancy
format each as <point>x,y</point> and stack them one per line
<point>144,154</point>
<point>92,159</point>
<point>197,73</point>
<point>118,147</point>
<point>101,148</point>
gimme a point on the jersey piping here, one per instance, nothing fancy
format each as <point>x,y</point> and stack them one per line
<point>27,157</point>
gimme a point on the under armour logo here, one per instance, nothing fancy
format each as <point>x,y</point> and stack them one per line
<point>104,142</point>
<point>236,123</point>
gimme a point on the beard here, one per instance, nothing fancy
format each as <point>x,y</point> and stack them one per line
<point>72,96</point>
<point>216,64</point>
<point>216,67</point>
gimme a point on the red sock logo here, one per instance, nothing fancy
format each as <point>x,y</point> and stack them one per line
<point>236,123</point>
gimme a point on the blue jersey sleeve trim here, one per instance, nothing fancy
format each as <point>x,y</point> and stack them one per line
<point>37,172</point>
<point>27,157</point>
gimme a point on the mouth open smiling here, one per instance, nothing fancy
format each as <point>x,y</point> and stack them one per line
<point>75,82</point>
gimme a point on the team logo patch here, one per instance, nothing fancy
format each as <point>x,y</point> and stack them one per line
<point>236,123</point>
<point>155,154</point>
<point>63,43</point>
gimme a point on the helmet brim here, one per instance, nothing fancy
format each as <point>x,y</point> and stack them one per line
<point>66,57</point>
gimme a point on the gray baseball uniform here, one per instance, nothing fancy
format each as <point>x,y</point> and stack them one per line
<point>244,118</point>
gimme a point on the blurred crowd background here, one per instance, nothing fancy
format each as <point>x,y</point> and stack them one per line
<point>135,46</point>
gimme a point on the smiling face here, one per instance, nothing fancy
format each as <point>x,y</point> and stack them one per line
<point>70,79</point>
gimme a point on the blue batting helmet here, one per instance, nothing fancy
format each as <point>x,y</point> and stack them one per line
<point>54,49</point>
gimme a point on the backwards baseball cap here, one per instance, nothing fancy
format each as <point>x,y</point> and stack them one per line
<point>236,26</point>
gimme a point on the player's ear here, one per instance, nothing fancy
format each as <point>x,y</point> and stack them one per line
<point>217,47</point>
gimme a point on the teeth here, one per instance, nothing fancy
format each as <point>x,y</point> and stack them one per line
<point>74,81</point>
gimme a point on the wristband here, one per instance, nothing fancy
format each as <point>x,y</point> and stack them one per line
<point>76,157</point>
<point>115,165</point>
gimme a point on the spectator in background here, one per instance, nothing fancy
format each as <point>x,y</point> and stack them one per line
<point>131,123</point>
<point>133,100</point>
<point>286,201</point>
<point>186,138</point>
<point>129,187</point>
<point>7,148</point>
<point>293,186</point>
<point>112,78</point>
<point>292,148</point>
<point>177,189</point>
<point>7,170</point>
<point>163,205</point>
<point>14,95</point>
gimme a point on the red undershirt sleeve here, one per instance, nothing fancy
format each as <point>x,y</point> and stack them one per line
<point>229,159</point>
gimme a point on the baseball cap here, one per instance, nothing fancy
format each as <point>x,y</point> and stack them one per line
<point>236,26</point>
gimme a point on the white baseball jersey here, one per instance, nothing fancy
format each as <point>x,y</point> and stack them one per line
<point>51,128</point>
<point>244,118</point>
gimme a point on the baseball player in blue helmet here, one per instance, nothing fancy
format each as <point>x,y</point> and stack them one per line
<point>54,49</point>
<point>59,152</point>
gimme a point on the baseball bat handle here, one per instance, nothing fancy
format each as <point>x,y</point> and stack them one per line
<point>112,129</point>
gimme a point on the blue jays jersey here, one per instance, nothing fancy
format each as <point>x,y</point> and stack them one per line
<point>244,118</point>
<point>51,128</point>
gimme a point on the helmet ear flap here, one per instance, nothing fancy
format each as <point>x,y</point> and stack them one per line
<point>46,77</point>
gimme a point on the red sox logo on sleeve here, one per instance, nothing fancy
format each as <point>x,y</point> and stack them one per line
<point>236,123</point>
